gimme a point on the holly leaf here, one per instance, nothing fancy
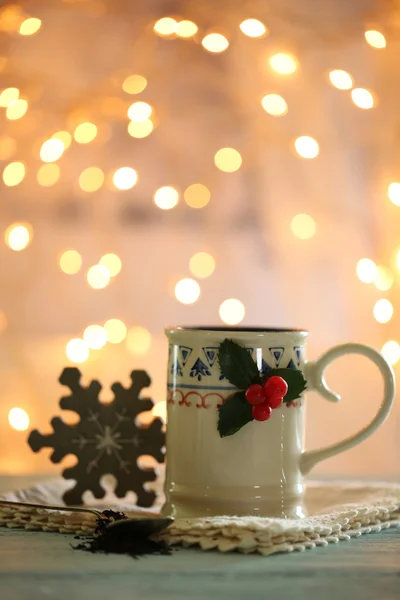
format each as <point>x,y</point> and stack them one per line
<point>237,365</point>
<point>295,380</point>
<point>234,414</point>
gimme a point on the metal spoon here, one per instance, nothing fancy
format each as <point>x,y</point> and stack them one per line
<point>142,526</point>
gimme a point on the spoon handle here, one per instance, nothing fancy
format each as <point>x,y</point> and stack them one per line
<point>92,511</point>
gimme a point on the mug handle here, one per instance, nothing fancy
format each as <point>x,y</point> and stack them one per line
<point>314,374</point>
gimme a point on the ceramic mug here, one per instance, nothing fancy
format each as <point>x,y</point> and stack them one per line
<point>260,469</point>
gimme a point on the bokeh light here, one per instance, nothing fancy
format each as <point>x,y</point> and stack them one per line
<point>91,179</point>
<point>30,26</point>
<point>70,262</point>
<point>342,80</point>
<point>3,321</point>
<point>98,277</point>
<point>215,42</point>
<point>138,340</point>
<point>116,330</point>
<point>362,98</point>
<point>48,174</point>
<point>8,96</point>
<point>95,336</point>
<point>139,111</point>
<point>8,147</point>
<point>64,136</point>
<point>384,279</point>
<point>197,195</point>
<point>394,193</point>
<point>140,129</point>
<point>112,262</point>
<point>303,226</point>
<point>232,311</point>
<point>16,109</point>
<point>134,84</point>
<point>202,264</point>
<point>383,310</point>
<point>366,270</point>
<point>160,410</point>
<point>186,29</point>
<point>187,291</point>
<point>166,197</point>
<point>18,236</point>
<point>125,178</point>
<point>376,39</point>
<point>18,419</point>
<point>14,173</point>
<point>306,146</point>
<point>253,28</point>
<point>282,63</point>
<point>77,350</point>
<point>391,351</point>
<point>51,150</point>
<point>228,160</point>
<point>166,26</point>
<point>274,105</point>
<point>85,133</point>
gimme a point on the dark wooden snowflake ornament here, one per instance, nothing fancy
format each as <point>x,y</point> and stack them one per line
<point>106,440</point>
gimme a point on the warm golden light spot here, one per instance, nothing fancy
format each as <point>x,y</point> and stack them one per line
<point>384,279</point>
<point>98,277</point>
<point>3,63</point>
<point>187,291</point>
<point>366,270</point>
<point>253,28</point>
<point>14,173</point>
<point>112,262</point>
<point>134,84</point>
<point>70,262</point>
<point>116,330</point>
<point>3,321</point>
<point>166,26</point>
<point>362,98</point>
<point>160,410</point>
<point>18,236</point>
<point>166,197</point>
<point>282,63</point>
<point>274,105</point>
<point>303,226</point>
<point>141,129</point>
<point>228,160</point>
<point>232,311</point>
<point>16,109</point>
<point>30,26</point>
<point>376,39</point>
<point>125,178</point>
<point>197,195</point>
<point>8,147</point>
<point>139,111</point>
<point>383,310</point>
<point>8,96</point>
<point>77,350</point>
<point>202,264</point>
<point>394,193</point>
<point>11,17</point>
<point>48,175</point>
<point>341,79</point>
<point>215,42</point>
<point>391,351</point>
<point>64,136</point>
<point>138,341</point>
<point>91,179</point>
<point>95,336</point>
<point>186,29</point>
<point>18,419</point>
<point>306,146</point>
<point>85,133</point>
<point>51,150</point>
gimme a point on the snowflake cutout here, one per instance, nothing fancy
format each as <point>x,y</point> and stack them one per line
<point>106,439</point>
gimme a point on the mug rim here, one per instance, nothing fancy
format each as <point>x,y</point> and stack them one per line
<point>234,330</point>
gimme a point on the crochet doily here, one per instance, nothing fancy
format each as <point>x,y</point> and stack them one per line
<point>338,511</point>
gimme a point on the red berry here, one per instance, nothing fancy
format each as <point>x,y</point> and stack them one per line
<point>275,387</point>
<point>274,402</point>
<point>261,412</point>
<point>255,394</point>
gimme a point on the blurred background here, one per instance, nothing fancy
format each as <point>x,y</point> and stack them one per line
<point>197,162</point>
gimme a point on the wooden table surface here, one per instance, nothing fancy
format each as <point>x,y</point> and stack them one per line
<point>35,565</point>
